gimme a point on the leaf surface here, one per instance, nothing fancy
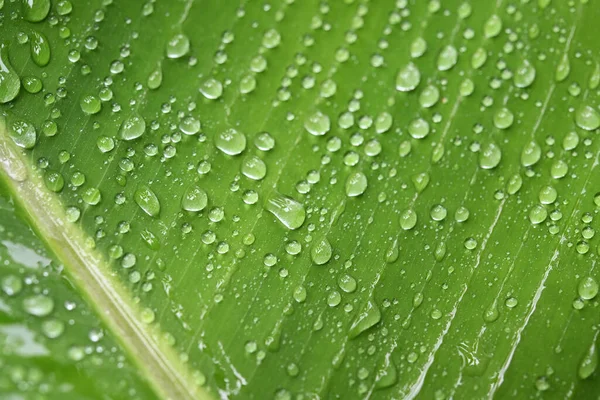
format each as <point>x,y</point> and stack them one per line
<point>302,199</point>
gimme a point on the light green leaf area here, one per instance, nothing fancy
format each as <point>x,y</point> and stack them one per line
<point>301,199</point>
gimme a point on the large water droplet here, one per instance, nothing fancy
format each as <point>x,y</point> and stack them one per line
<point>287,210</point>
<point>317,124</point>
<point>490,155</point>
<point>147,200</point>
<point>408,219</point>
<point>356,184</point>
<point>524,75</point>
<point>40,49</point>
<point>178,46</point>
<point>589,363</point>
<point>447,58</point>
<point>408,78</point>
<point>531,154</point>
<point>492,26</point>
<point>10,84</point>
<point>231,142</point>
<point>587,288</point>
<point>254,168</point>
<point>38,305</point>
<point>368,317</point>
<point>194,199</point>
<point>211,89</point>
<point>133,127</point>
<point>35,10</point>
<point>22,133</point>
<point>321,251</point>
<point>587,118</point>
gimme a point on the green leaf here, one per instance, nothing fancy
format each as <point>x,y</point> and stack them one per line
<point>299,199</point>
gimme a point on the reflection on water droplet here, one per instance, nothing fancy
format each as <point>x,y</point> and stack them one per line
<point>10,83</point>
<point>147,200</point>
<point>317,124</point>
<point>321,251</point>
<point>194,199</point>
<point>133,127</point>
<point>287,210</point>
<point>587,118</point>
<point>356,184</point>
<point>231,142</point>
<point>178,46</point>
<point>408,78</point>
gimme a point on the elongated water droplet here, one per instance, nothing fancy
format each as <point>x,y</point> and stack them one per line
<point>563,69</point>
<point>387,375</point>
<point>429,96</point>
<point>155,78</point>
<point>38,305</point>
<point>287,210</point>
<point>10,84</point>
<point>356,184</point>
<point>147,200</point>
<point>589,363</point>
<point>231,142</point>
<point>531,154</point>
<point>524,75</point>
<point>368,317</point>
<point>35,10</point>
<point>514,184</point>
<point>178,46</point>
<point>418,47</point>
<point>408,219</point>
<point>383,122</point>
<point>40,49</point>
<point>420,181</point>
<point>479,58</point>
<point>594,80</point>
<point>492,26</point>
<point>133,127</point>
<point>408,78</point>
<point>194,199</point>
<point>447,58</point>
<point>587,288</point>
<point>321,251</point>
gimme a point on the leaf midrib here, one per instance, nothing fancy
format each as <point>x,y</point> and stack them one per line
<point>157,362</point>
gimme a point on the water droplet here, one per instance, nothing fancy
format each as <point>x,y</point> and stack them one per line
<point>531,154</point>
<point>503,118</point>
<point>271,39</point>
<point>155,78</point>
<point>408,78</point>
<point>538,214</point>
<point>559,169</point>
<point>11,285</point>
<point>418,47</point>
<point>418,128</point>
<point>211,89</point>
<point>589,363</point>
<point>178,46</point>
<point>420,181</point>
<point>231,142</point>
<point>54,181</point>
<point>491,313</point>
<point>133,127</point>
<point>254,168</point>
<point>492,26</point>
<point>429,96</point>
<point>461,214</point>
<point>190,126</point>
<point>287,210</point>
<point>35,10</point>
<point>32,84</point>
<point>524,75</point>
<point>40,49</point>
<point>587,288</point>
<point>447,58</point>
<point>387,375</point>
<point>53,328</point>
<point>383,122</point>
<point>490,155</point>
<point>10,83</point>
<point>587,118</point>
<point>90,104</point>
<point>22,133</point>
<point>147,200</point>
<point>317,124</point>
<point>438,212</point>
<point>547,195</point>
<point>194,199</point>
<point>408,219</point>
<point>38,305</point>
<point>514,184</point>
<point>563,69</point>
<point>321,251</point>
<point>479,58</point>
<point>368,317</point>
<point>347,283</point>
<point>356,184</point>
